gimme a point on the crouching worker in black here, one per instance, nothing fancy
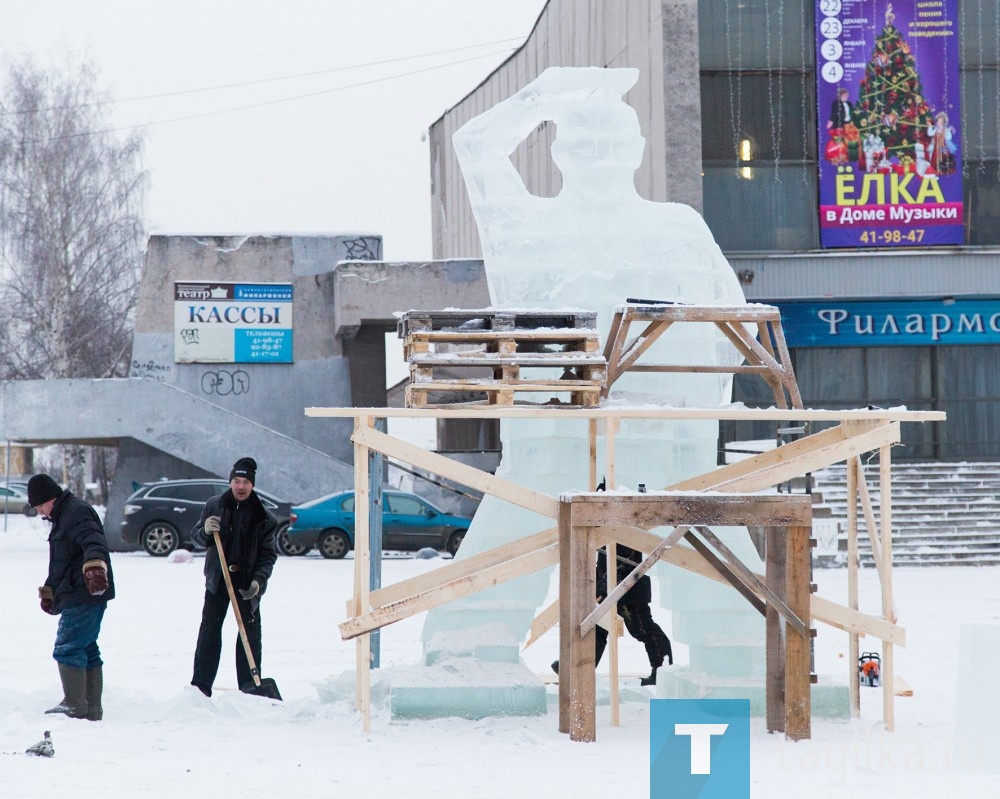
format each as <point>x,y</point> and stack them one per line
<point>633,607</point>
<point>77,590</point>
<point>247,531</point>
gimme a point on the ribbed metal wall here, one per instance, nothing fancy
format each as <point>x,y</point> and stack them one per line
<point>568,33</point>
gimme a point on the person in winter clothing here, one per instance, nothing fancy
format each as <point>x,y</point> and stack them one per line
<point>247,531</point>
<point>633,607</point>
<point>79,585</point>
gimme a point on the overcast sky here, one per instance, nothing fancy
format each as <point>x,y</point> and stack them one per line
<point>280,115</point>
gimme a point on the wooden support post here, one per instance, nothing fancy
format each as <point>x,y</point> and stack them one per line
<point>774,570</point>
<point>888,608</point>
<point>362,567</point>
<point>798,703</point>
<point>852,582</point>
<point>577,583</point>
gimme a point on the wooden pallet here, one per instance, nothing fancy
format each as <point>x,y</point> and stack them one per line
<point>479,319</point>
<point>482,354</point>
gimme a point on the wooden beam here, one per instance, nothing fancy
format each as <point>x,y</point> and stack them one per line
<point>456,569</point>
<point>798,705</point>
<point>753,582</point>
<point>724,571</point>
<point>791,460</point>
<point>775,549</point>
<point>853,650</point>
<point>459,472</point>
<point>821,609</point>
<point>610,602</point>
<point>655,510</point>
<point>362,565</point>
<point>736,413</point>
<point>434,597</point>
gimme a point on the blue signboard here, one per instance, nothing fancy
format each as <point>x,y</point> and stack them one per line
<point>891,324</point>
<point>232,322</point>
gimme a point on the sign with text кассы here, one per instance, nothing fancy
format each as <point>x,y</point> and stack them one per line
<point>232,322</point>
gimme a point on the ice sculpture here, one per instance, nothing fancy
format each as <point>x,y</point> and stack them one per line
<point>592,246</point>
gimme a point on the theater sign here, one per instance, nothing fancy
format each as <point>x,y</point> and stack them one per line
<point>232,322</point>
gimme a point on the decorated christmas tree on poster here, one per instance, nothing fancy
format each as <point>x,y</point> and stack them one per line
<point>892,114</point>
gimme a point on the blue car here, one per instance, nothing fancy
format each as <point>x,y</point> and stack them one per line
<point>409,523</point>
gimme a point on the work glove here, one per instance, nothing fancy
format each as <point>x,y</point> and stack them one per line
<point>47,600</point>
<point>212,525</point>
<point>95,575</point>
<point>252,591</point>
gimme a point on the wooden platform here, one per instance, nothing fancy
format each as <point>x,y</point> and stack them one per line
<point>766,354</point>
<point>483,353</point>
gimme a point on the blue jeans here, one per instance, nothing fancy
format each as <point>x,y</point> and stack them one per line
<point>76,636</point>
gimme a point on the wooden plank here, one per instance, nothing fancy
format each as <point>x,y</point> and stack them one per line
<point>871,526</point>
<point>875,416</point>
<point>459,472</point>
<point>362,565</point>
<point>703,313</point>
<point>821,609</point>
<point>456,569</point>
<point>656,510</point>
<point>581,646</point>
<point>565,573</point>
<point>485,384</point>
<point>774,649</point>
<point>455,589</point>
<point>750,580</point>
<point>778,466</point>
<point>724,571</point>
<point>798,706</point>
<point>610,602</point>
<point>543,622</point>
<point>888,605</point>
<point>853,650</point>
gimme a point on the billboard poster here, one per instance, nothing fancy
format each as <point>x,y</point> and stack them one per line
<point>232,322</point>
<point>888,91</point>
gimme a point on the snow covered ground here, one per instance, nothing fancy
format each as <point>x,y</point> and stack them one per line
<point>161,738</point>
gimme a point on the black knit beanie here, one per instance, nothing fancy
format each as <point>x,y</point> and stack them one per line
<point>244,467</point>
<point>42,488</point>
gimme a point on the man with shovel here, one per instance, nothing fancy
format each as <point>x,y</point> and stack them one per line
<point>239,533</point>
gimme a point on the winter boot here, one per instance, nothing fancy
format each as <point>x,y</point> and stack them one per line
<point>74,682</point>
<point>95,687</point>
<point>651,679</point>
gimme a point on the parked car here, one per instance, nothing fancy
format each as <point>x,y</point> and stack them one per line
<point>15,500</point>
<point>160,516</point>
<point>409,523</point>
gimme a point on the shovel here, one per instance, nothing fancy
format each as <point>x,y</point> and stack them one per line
<point>259,687</point>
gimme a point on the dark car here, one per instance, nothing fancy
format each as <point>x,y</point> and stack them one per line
<point>409,523</point>
<point>160,516</point>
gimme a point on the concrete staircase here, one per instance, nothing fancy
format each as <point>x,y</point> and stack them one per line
<point>943,514</point>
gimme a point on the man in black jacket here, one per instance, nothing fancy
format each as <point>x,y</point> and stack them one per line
<point>77,589</point>
<point>247,531</point>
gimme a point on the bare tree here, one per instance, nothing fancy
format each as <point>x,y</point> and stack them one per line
<point>72,193</point>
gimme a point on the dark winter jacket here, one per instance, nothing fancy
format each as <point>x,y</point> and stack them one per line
<point>639,594</point>
<point>257,547</point>
<point>77,536</point>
